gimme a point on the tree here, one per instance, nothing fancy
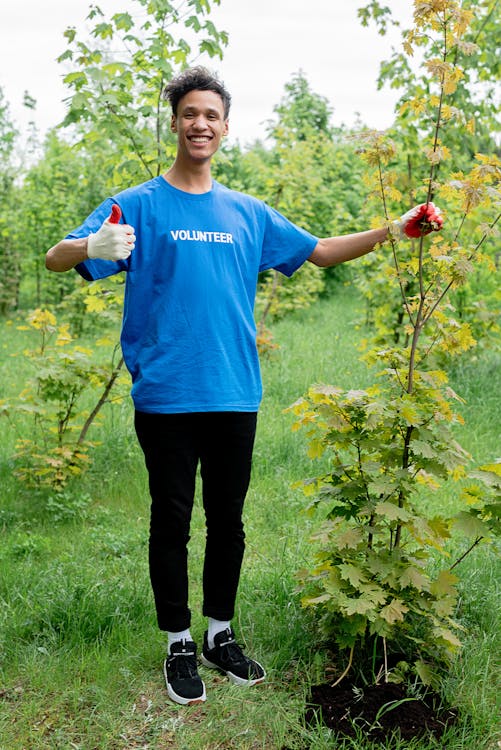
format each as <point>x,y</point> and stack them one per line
<point>372,581</point>
<point>9,258</point>
<point>117,82</point>
<point>301,112</point>
<point>56,194</point>
<point>469,118</point>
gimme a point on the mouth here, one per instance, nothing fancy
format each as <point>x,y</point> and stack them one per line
<point>199,139</point>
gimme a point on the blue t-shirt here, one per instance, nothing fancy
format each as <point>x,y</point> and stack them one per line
<point>188,331</point>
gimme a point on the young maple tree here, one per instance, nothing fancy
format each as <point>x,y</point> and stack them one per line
<point>373,582</point>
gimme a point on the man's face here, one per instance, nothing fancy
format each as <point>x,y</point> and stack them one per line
<point>200,124</point>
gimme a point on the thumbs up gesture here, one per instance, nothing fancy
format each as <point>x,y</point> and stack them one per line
<point>112,241</point>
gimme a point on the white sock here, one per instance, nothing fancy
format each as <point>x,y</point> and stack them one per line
<point>216,626</point>
<point>181,635</point>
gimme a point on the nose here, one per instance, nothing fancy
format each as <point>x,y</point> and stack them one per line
<point>200,122</point>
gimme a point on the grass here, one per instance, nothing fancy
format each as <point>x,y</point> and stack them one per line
<point>80,651</point>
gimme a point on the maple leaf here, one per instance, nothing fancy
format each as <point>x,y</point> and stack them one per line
<point>360,606</point>
<point>349,539</point>
<point>95,304</point>
<point>448,636</point>
<point>394,611</point>
<point>352,574</point>
<point>393,512</point>
<point>413,577</point>
<point>424,672</point>
<point>444,584</point>
<point>471,525</point>
<point>409,413</point>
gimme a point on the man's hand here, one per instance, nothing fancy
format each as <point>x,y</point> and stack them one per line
<point>420,220</point>
<point>113,241</point>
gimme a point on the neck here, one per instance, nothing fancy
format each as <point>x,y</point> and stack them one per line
<point>194,179</point>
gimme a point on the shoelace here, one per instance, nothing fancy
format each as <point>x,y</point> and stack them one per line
<point>232,653</point>
<point>184,664</point>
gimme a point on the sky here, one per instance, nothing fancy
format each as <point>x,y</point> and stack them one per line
<point>270,40</point>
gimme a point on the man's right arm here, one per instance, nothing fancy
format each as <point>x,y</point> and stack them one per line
<point>66,255</point>
<point>112,241</point>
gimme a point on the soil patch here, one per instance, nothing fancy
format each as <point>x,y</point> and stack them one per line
<point>379,711</point>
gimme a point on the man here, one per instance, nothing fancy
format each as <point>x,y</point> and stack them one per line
<point>192,251</point>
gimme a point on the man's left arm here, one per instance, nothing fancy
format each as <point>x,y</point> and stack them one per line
<point>330,251</point>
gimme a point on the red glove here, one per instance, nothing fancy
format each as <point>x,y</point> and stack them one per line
<point>420,220</point>
<point>116,214</point>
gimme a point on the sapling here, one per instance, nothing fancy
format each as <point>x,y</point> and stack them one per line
<point>382,569</point>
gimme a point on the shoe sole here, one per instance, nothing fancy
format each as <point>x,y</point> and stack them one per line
<point>179,698</point>
<point>233,678</point>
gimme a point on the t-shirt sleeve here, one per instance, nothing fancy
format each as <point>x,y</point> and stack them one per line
<point>97,268</point>
<point>285,245</point>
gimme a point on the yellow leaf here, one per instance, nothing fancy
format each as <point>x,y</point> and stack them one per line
<point>104,341</point>
<point>315,449</point>
<point>410,414</point>
<point>95,304</point>
<point>64,336</point>
<point>495,468</point>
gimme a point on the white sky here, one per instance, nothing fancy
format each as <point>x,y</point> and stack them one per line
<point>269,41</point>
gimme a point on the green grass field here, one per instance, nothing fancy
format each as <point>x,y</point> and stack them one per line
<point>80,652</point>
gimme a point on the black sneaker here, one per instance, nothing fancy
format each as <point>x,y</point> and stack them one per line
<point>228,657</point>
<point>183,682</point>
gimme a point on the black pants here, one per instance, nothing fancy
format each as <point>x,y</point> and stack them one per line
<point>173,444</point>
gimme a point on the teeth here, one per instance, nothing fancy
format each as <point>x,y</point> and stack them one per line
<point>200,140</point>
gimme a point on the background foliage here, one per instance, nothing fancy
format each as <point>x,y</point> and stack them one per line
<point>384,512</point>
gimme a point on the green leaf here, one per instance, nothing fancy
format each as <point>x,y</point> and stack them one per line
<point>424,672</point>
<point>350,539</point>
<point>123,21</point>
<point>421,448</point>
<point>78,78</point>
<point>471,525</point>
<point>489,475</point>
<point>382,486</point>
<point>414,578</point>
<point>375,593</point>
<point>392,512</point>
<point>360,606</point>
<point>444,584</point>
<point>448,636</point>
<point>312,601</point>
<point>352,574</point>
<point>394,611</point>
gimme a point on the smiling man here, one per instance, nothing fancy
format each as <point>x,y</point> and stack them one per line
<point>192,250</point>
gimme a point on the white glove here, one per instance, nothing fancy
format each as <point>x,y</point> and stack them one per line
<point>112,241</point>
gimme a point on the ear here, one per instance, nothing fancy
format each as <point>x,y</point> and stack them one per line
<point>173,123</point>
<point>226,128</point>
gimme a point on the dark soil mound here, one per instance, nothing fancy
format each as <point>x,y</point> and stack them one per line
<point>379,711</point>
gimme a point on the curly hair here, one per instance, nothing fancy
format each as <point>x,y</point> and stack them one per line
<point>196,79</point>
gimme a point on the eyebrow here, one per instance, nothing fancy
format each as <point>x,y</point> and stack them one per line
<point>208,110</point>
